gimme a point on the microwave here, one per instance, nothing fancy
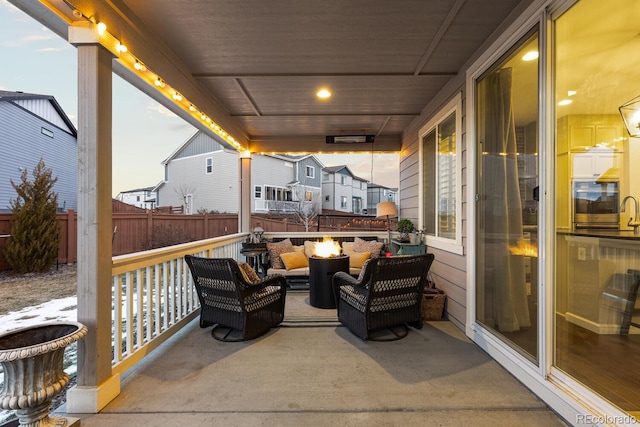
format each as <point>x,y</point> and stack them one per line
<point>596,205</point>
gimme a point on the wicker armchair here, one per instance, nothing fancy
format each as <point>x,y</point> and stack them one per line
<point>239,309</point>
<point>388,295</point>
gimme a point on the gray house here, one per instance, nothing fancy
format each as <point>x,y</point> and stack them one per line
<point>377,193</point>
<point>34,127</point>
<point>202,175</point>
<point>343,191</point>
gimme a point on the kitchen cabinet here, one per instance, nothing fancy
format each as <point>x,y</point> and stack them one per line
<point>596,163</point>
<point>582,132</point>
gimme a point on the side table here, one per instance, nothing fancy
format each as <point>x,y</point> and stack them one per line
<point>402,248</point>
<point>255,258</point>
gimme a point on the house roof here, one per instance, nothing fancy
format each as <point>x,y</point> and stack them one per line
<point>336,169</point>
<point>9,96</point>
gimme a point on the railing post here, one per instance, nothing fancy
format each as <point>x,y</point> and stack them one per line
<point>72,237</point>
<point>150,235</point>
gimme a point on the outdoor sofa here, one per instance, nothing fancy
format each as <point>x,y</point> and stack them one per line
<point>290,257</point>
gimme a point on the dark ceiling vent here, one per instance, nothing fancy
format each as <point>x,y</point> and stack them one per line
<point>350,139</point>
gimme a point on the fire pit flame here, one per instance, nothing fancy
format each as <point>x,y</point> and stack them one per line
<point>327,248</point>
<point>524,248</point>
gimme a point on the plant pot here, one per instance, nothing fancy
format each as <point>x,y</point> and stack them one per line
<point>32,359</point>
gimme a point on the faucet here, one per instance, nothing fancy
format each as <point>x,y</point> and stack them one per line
<point>633,221</point>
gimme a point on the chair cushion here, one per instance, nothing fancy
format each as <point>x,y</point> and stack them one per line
<point>293,260</point>
<point>357,259</point>
<point>374,247</point>
<point>277,248</point>
<point>248,272</point>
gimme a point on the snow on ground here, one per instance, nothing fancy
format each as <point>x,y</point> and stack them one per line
<point>59,309</point>
<point>55,310</point>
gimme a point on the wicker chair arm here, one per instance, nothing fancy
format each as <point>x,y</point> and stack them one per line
<point>342,278</point>
<point>272,280</point>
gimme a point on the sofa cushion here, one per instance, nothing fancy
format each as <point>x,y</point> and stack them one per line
<point>294,259</point>
<point>309,248</point>
<point>347,248</point>
<point>373,246</point>
<point>277,248</point>
<point>357,259</point>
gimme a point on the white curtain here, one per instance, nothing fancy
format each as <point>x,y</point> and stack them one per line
<point>502,289</point>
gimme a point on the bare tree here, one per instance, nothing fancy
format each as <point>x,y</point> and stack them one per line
<point>307,206</point>
<point>184,193</point>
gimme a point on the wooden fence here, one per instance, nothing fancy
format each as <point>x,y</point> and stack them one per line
<point>139,231</point>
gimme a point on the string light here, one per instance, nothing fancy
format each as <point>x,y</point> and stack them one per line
<point>123,55</point>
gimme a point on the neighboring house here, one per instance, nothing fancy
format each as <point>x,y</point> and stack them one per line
<point>343,191</point>
<point>376,194</point>
<point>34,127</point>
<point>202,175</point>
<point>144,198</point>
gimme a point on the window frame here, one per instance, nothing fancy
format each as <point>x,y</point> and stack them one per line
<point>310,171</point>
<point>343,202</point>
<point>208,165</point>
<point>446,244</point>
<point>257,192</point>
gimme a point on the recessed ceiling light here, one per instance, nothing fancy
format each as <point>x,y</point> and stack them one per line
<point>323,93</point>
<point>565,102</point>
<point>530,56</point>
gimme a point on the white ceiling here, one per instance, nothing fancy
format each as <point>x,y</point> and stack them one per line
<point>255,65</point>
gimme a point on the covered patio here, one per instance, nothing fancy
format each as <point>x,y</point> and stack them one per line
<point>247,74</point>
<point>313,371</point>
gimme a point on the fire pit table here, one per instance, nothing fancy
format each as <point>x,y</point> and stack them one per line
<point>321,271</point>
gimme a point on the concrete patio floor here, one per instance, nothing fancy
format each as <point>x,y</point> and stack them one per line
<point>313,372</point>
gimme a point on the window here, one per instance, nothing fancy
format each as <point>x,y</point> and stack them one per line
<point>209,168</point>
<point>137,198</point>
<point>343,202</point>
<point>308,196</point>
<point>440,178</point>
<point>310,171</point>
<point>327,198</point>
<point>278,193</point>
<point>343,180</point>
<point>257,192</point>
<point>325,177</point>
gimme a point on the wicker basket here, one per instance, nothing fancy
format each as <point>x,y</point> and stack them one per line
<point>433,304</point>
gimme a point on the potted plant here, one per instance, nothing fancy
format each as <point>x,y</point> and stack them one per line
<point>405,227</point>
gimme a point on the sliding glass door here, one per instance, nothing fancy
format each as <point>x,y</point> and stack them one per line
<point>507,197</point>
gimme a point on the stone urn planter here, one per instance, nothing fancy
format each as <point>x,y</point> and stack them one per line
<point>32,359</point>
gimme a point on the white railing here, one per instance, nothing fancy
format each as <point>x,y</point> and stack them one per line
<point>154,297</point>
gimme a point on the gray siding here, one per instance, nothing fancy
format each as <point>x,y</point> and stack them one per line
<point>199,143</point>
<point>46,110</point>
<point>217,191</point>
<point>449,270</point>
<point>23,144</point>
<point>316,181</point>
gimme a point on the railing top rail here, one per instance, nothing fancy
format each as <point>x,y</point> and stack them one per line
<point>124,263</point>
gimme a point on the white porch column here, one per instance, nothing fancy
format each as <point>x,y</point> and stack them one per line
<point>96,385</point>
<point>244,207</point>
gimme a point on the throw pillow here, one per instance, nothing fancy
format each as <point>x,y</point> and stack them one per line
<point>309,248</point>
<point>347,248</point>
<point>295,259</point>
<point>357,259</point>
<point>277,248</point>
<point>248,272</point>
<point>373,246</point>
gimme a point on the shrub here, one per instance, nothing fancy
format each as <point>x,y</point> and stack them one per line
<point>33,245</point>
